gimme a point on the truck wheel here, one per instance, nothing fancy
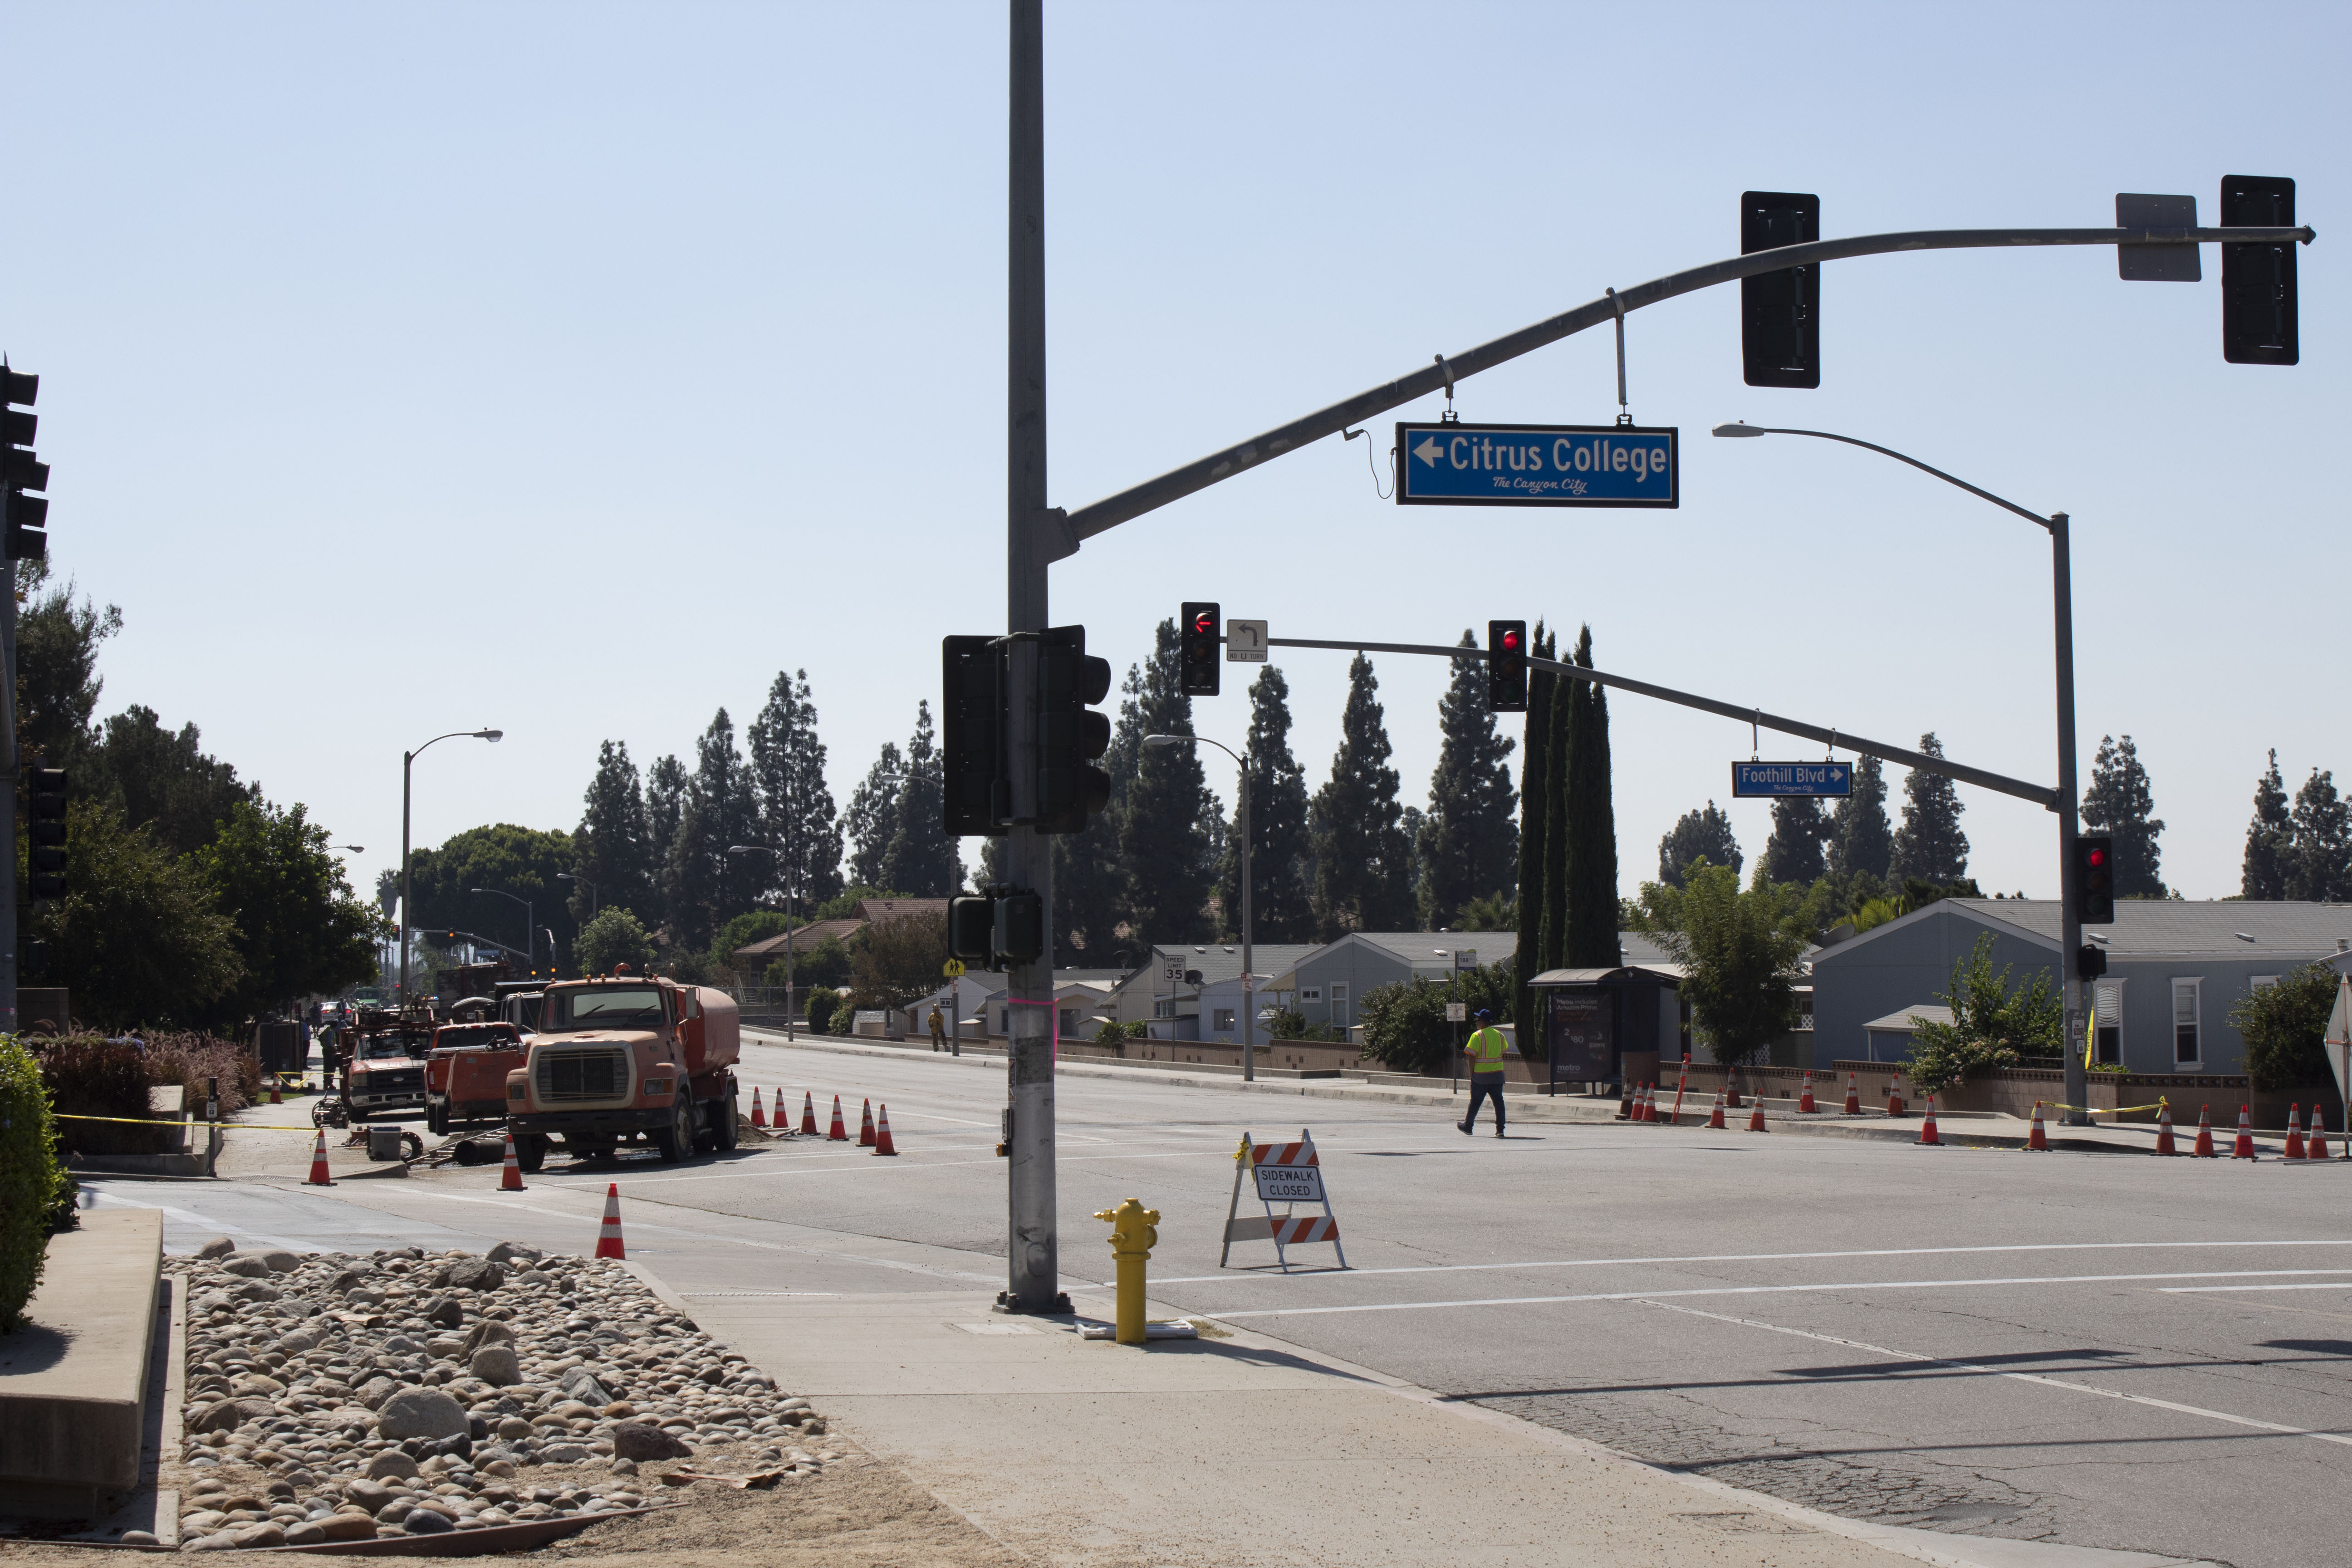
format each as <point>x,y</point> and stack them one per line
<point>676,1142</point>
<point>530,1152</point>
<point>436,1121</point>
<point>722,1120</point>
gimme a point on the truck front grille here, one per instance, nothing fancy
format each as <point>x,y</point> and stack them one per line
<point>409,1080</point>
<point>598,1072</point>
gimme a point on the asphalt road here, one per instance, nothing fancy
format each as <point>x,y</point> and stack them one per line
<point>2102,1350</point>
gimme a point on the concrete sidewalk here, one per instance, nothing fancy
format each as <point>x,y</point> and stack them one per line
<point>1237,1449</point>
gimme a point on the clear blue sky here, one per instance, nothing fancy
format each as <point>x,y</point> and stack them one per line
<point>571,369</point>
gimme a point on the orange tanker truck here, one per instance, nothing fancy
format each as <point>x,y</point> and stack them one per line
<point>626,1058</point>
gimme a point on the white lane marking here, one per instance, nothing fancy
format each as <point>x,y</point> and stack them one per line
<point>2036,1377</point>
<point>1781,1257</point>
<point>1763,1290</point>
<point>107,1196</point>
<point>2196,1289</point>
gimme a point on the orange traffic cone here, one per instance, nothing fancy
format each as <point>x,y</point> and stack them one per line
<point>1927,1128</point>
<point>1756,1116</point>
<point>318,1163</point>
<point>510,1179</point>
<point>2243,1149</point>
<point>1649,1103</point>
<point>2295,1130</point>
<point>2038,1137</point>
<point>882,1144</point>
<point>808,1115</point>
<point>1714,1117</point>
<point>866,1127</point>
<point>608,1234</point>
<point>2164,1128</point>
<point>1805,1106</point>
<point>276,1084</point>
<point>1852,1095</point>
<point>2204,1148</point>
<point>1641,1102</point>
<point>838,1134</point>
<point>2319,1149</point>
<point>758,1117</point>
<point>1894,1095</point>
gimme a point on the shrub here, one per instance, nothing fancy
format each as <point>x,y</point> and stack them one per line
<point>190,1059</point>
<point>87,1076</point>
<point>821,1003</point>
<point>1991,1026</point>
<point>29,1179</point>
<point>1140,1029</point>
<point>1112,1033</point>
<point>2284,1026</point>
<point>1288,1023</point>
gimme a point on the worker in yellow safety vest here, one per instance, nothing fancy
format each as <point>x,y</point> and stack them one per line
<point>1484,1048</point>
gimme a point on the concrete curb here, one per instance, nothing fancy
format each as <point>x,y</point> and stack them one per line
<point>73,1386</point>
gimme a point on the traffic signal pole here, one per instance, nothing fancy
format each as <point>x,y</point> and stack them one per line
<point>10,773</point>
<point>2070,922</point>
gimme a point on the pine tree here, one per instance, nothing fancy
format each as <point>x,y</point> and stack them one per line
<point>1793,852</point>
<point>1559,769</point>
<point>2270,838</point>
<point>1861,839</point>
<point>1282,864</point>
<point>1698,835</point>
<point>1535,765</point>
<point>1363,864</point>
<point>1468,846</point>
<point>922,859</point>
<point>796,812</point>
<point>1090,878</point>
<point>707,886</point>
<point>1164,840</point>
<point>1929,844</point>
<point>2319,861</point>
<point>872,820</point>
<point>1593,907</point>
<point>2118,802</point>
<point>614,860</point>
<point>665,816</point>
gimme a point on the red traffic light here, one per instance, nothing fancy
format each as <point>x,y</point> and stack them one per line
<point>1511,641</point>
<point>2099,855</point>
<point>1204,623</point>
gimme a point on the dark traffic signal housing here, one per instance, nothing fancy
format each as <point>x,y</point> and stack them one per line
<point>1197,658</point>
<point>976,793</point>
<point>45,790</point>
<point>2095,879</point>
<point>2258,297</point>
<point>999,925</point>
<point>1780,313</point>
<point>1070,733</point>
<point>1507,666</point>
<point>23,516</point>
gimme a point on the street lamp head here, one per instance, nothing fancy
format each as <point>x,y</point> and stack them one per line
<point>1166,739</point>
<point>749,849</point>
<point>355,848</point>
<point>1734,427</point>
<point>490,734</point>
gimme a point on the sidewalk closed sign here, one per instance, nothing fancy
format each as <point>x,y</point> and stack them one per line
<point>1290,1184</point>
<point>1288,1174</point>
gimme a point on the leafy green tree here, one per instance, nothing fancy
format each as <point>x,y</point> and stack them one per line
<point>1281,849</point>
<point>162,779</point>
<point>1405,1027</point>
<point>1861,839</point>
<point>898,961</point>
<point>1535,809</point>
<point>615,937</point>
<point>1363,862</point>
<point>1738,948</point>
<point>1929,844</point>
<point>57,684</point>
<point>297,929</point>
<point>1590,941</point>
<point>922,855</point>
<point>614,852</point>
<point>820,1004</point>
<point>796,815</point>
<point>2270,838</point>
<point>1698,835</point>
<point>520,862</point>
<point>827,964</point>
<point>742,932</point>
<point>1793,852</point>
<point>844,905</point>
<point>1468,844</point>
<point>1165,843</point>
<point>2120,803</point>
<point>2285,1028</point>
<point>873,817</point>
<point>138,938</point>
<point>1993,1023</point>
<point>2319,858</point>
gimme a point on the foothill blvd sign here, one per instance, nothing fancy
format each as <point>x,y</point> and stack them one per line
<point>1450,464</point>
<point>1832,779</point>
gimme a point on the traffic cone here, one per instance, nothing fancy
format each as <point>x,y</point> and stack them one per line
<point>510,1179</point>
<point>2037,1138</point>
<point>608,1234</point>
<point>1927,1128</point>
<point>838,1134</point>
<point>1894,1096</point>
<point>882,1144</point>
<point>1714,1117</point>
<point>1852,1095</point>
<point>318,1163</point>
<point>866,1127</point>
<point>2164,1128</point>
<point>808,1115</point>
<point>2243,1149</point>
<point>277,1084</point>
<point>2295,1130</point>
<point>2318,1148</point>
<point>1756,1116</point>
<point>1641,1103</point>
<point>2204,1147</point>
<point>758,1117</point>
<point>1805,1106</point>
<point>1649,1103</point>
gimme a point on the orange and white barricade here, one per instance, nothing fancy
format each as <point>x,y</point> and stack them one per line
<point>1288,1174</point>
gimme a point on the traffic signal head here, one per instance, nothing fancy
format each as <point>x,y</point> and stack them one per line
<point>1507,666</point>
<point>20,470</point>
<point>1070,733</point>
<point>1780,312</point>
<point>2090,961</point>
<point>2258,294</point>
<point>1197,660</point>
<point>971,929</point>
<point>47,830</point>
<point>2095,879</point>
<point>977,797</point>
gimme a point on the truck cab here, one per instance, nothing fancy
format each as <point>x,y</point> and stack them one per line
<point>626,1058</point>
<point>466,1076</point>
<point>385,1064</point>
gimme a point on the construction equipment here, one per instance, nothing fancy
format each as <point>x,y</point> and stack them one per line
<point>624,1058</point>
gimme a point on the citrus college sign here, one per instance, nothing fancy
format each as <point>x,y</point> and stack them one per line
<point>1451,464</point>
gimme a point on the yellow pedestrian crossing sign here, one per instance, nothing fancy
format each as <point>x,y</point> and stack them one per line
<point>952,969</point>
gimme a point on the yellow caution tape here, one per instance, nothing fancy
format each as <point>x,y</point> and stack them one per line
<point>191,1121</point>
<point>2104,1110</point>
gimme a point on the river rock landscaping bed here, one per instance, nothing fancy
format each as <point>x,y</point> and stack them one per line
<point>334,1397</point>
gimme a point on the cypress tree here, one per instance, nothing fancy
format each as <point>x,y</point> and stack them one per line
<point>1591,941</point>
<point>922,859</point>
<point>614,857</point>
<point>1535,752</point>
<point>1281,851</point>
<point>1929,844</point>
<point>1363,862</point>
<point>872,819</point>
<point>797,819</point>
<point>2119,803</point>
<point>2269,837</point>
<point>1468,846</point>
<point>1861,838</point>
<point>1164,839</point>
<point>2319,863</point>
<point>706,884</point>
<point>1551,940</point>
<point>1793,852</point>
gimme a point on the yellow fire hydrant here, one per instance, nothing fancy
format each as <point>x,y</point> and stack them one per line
<point>1132,1237</point>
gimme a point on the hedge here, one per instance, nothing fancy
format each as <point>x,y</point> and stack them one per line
<point>29,1179</point>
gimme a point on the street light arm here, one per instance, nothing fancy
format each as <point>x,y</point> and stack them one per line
<point>2038,521</point>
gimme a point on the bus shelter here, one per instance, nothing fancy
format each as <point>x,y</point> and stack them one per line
<point>1598,1025</point>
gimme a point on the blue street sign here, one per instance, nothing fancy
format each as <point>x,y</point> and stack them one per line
<point>1537,465</point>
<point>1791,778</point>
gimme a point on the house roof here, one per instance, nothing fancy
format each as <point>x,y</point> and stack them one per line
<point>1672,972</point>
<point>812,936</point>
<point>1907,1019</point>
<point>1434,948</point>
<point>2152,928</point>
<point>1221,961</point>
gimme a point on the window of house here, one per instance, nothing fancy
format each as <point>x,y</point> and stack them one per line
<point>2185,999</point>
<point>1163,1007</point>
<point>1309,994</point>
<point>1005,1021</point>
<point>1339,1002</point>
<point>1069,1022</point>
<point>2107,1015</point>
<point>1222,1020</point>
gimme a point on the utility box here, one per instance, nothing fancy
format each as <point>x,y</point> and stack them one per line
<point>281,1047</point>
<point>1593,1019</point>
<point>383,1144</point>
